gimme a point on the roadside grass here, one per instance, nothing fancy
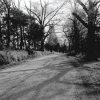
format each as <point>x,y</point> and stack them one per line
<point>9,58</point>
<point>12,56</point>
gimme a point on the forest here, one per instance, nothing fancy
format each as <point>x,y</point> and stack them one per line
<point>27,31</point>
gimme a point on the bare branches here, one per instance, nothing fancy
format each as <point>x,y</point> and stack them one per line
<point>27,8</point>
<point>96,3</point>
<point>84,6</point>
<point>50,13</point>
<point>80,19</point>
<point>44,15</point>
<point>44,18</point>
<point>30,10</point>
<point>38,18</point>
<point>56,11</point>
<point>41,4</point>
<point>19,2</point>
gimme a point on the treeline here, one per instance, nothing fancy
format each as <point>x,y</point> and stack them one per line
<point>19,30</point>
<point>83,29</point>
<point>57,48</point>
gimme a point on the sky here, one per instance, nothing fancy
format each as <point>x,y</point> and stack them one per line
<point>36,1</point>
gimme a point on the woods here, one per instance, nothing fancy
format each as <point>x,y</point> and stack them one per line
<point>84,29</point>
<point>49,49</point>
<point>21,31</point>
<point>29,30</point>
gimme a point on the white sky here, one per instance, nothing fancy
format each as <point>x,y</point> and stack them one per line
<point>36,1</point>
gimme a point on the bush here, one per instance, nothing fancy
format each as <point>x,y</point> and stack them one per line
<point>9,56</point>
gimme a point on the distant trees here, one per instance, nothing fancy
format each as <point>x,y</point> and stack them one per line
<point>57,47</point>
<point>53,44</point>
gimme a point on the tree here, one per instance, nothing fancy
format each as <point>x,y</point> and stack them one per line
<point>34,34</point>
<point>17,25</point>
<point>92,12</point>
<point>7,8</point>
<point>14,29</point>
<point>1,12</point>
<point>44,18</point>
<point>75,32</point>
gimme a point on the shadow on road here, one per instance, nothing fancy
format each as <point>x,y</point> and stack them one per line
<point>74,77</point>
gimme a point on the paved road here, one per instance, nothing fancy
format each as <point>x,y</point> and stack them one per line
<point>53,77</point>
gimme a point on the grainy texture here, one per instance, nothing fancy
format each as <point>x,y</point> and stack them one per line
<point>52,77</point>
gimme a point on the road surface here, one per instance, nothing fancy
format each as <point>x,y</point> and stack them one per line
<point>53,77</point>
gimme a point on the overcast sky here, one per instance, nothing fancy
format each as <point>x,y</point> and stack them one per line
<point>37,1</point>
<point>54,3</point>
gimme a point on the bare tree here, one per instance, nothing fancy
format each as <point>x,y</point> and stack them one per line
<point>44,18</point>
<point>92,12</point>
<point>74,32</point>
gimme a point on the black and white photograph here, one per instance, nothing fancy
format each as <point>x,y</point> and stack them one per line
<point>49,49</point>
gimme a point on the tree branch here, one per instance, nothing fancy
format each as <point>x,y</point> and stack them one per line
<point>42,11</point>
<point>81,20</point>
<point>84,7</point>
<point>29,10</point>
<point>45,11</point>
<point>96,3</point>
<point>55,14</point>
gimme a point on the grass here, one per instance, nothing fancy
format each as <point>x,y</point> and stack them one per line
<point>8,58</point>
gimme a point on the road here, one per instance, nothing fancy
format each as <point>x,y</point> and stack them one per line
<point>52,77</point>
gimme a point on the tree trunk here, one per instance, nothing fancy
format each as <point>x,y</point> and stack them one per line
<point>8,28</point>
<point>25,41</point>
<point>17,38</point>
<point>43,39</point>
<point>0,37</point>
<point>21,38</point>
<point>42,45</point>
<point>29,40</point>
<point>90,50</point>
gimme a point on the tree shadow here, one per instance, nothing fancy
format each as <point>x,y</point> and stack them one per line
<point>62,68</point>
<point>62,71</point>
